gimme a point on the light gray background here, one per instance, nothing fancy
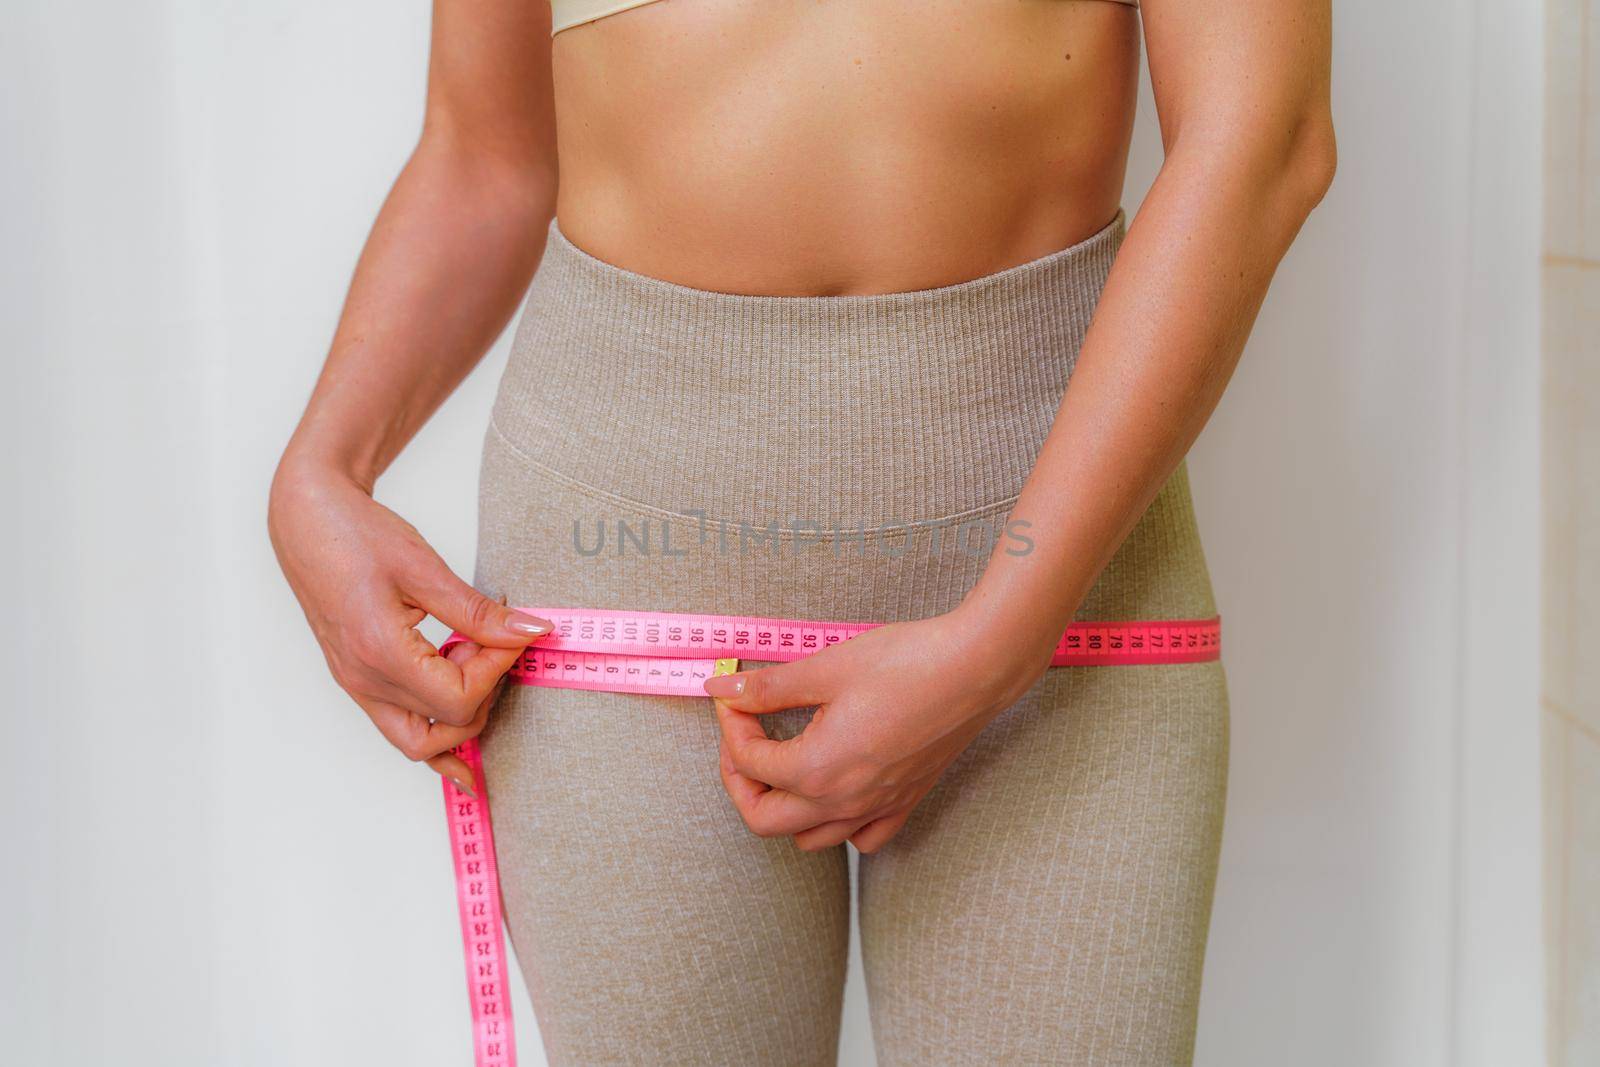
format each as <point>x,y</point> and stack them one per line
<point>210,856</point>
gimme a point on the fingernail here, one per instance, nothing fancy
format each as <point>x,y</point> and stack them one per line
<point>532,625</point>
<point>725,685</point>
<point>464,787</point>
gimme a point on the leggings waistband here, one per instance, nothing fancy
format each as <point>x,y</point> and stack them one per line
<point>900,407</point>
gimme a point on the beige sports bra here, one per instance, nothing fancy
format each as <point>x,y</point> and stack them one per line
<point>569,13</point>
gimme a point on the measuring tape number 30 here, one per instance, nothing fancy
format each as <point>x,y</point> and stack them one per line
<point>672,654</point>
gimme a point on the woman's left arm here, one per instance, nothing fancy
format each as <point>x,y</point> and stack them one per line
<point>1242,91</point>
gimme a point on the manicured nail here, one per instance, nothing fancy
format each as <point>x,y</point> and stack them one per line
<point>464,787</point>
<point>725,685</point>
<point>532,625</point>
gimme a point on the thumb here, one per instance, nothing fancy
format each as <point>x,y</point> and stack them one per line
<point>488,622</point>
<point>787,685</point>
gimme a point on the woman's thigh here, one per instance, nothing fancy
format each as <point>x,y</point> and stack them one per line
<point>1049,901</point>
<point>651,925</point>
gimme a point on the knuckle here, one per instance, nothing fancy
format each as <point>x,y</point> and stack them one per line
<point>457,711</point>
<point>348,672</point>
<point>479,610</point>
<point>860,783</point>
<point>814,776</point>
<point>365,639</point>
<point>853,783</point>
<point>363,657</point>
<point>415,751</point>
<point>813,782</point>
<point>741,755</point>
<point>344,677</point>
<point>760,824</point>
<point>856,807</point>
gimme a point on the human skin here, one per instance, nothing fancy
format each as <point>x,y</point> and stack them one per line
<point>796,147</point>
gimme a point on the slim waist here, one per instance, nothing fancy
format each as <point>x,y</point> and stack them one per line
<point>915,407</point>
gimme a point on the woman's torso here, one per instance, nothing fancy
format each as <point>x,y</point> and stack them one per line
<point>825,147</point>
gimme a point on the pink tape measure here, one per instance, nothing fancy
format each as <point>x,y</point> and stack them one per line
<point>672,654</point>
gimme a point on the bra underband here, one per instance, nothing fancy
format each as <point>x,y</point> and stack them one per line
<point>566,14</point>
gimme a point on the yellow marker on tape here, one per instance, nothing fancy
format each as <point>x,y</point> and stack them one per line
<point>724,666</point>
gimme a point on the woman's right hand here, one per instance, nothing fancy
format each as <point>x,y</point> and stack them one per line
<point>365,578</point>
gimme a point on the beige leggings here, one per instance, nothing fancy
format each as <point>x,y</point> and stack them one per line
<point>663,448</point>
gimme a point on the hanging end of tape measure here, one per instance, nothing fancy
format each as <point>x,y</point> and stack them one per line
<point>725,666</point>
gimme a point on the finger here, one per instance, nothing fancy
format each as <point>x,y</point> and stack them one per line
<point>754,754</point>
<point>467,611</point>
<point>776,812</point>
<point>876,834</point>
<point>829,834</point>
<point>742,790</point>
<point>465,654</point>
<point>786,685</point>
<point>767,812</point>
<point>414,735</point>
<point>453,767</point>
<point>413,674</point>
<point>780,813</point>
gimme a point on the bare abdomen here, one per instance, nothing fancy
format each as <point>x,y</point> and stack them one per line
<point>842,146</point>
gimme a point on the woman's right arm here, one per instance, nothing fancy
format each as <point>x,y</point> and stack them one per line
<point>447,262</point>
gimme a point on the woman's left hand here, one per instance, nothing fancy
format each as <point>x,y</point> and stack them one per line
<point>895,707</point>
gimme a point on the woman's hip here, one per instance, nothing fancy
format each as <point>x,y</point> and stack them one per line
<point>659,447</point>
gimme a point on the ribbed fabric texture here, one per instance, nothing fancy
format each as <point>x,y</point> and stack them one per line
<point>903,406</point>
<point>661,447</point>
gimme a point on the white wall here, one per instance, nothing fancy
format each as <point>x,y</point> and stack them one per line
<point>1369,497</point>
<point>214,859</point>
<point>1572,529</point>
